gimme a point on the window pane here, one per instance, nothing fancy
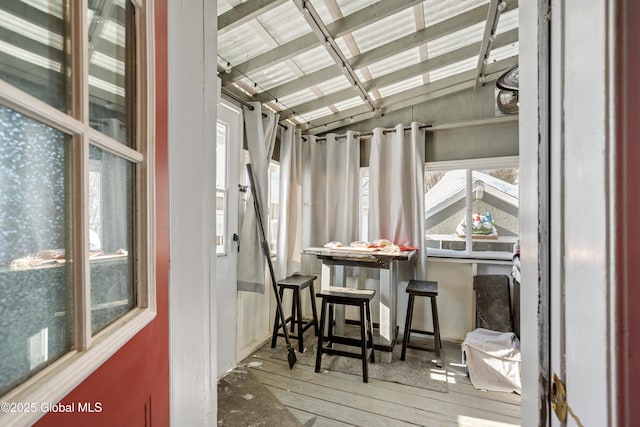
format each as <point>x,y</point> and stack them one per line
<point>222,131</point>
<point>445,201</point>
<point>35,217</point>
<point>220,222</point>
<point>494,209</point>
<point>274,205</point>
<point>111,68</point>
<point>34,38</point>
<point>221,156</point>
<point>111,238</point>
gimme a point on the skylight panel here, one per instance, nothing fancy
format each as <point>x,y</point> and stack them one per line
<point>456,40</point>
<point>284,23</point>
<point>396,62</point>
<point>297,98</point>
<point>46,6</point>
<point>401,86</point>
<point>385,30</point>
<point>350,6</point>
<point>106,86</point>
<point>313,59</point>
<point>453,69</point>
<point>322,112</point>
<point>334,85</point>
<point>29,57</point>
<point>240,44</point>
<point>107,62</point>
<point>508,21</point>
<point>439,10</point>
<point>27,29</point>
<point>349,103</point>
<point>113,32</point>
<point>273,75</point>
<point>503,52</point>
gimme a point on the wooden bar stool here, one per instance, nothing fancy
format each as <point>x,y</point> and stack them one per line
<point>422,288</point>
<point>354,297</point>
<point>296,283</point>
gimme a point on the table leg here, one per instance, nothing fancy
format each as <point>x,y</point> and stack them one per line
<point>388,284</point>
<point>333,275</point>
<point>339,309</point>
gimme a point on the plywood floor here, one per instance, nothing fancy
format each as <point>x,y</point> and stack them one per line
<point>339,399</point>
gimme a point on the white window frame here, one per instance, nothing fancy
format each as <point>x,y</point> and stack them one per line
<point>470,165</point>
<point>274,166</point>
<point>89,352</point>
<point>225,192</point>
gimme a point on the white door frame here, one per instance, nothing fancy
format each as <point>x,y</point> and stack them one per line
<point>192,100</point>
<point>565,167</point>
<point>226,264</point>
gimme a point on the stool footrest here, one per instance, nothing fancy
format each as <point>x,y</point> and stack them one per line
<point>421,347</point>
<point>342,353</point>
<point>418,331</point>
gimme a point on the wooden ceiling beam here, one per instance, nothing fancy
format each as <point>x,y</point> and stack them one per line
<point>245,12</point>
<point>413,96</point>
<point>423,67</point>
<point>489,35</point>
<point>458,22</point>
<point>338,28</point>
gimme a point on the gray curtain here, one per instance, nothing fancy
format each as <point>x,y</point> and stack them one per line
<point>330,189</point>
<point>396,192</point>
<point>288,259</point>
<point>261,133</point>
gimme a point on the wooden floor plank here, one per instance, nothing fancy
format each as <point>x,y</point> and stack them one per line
<point>309,419</point>
<point>428,402</point>
<point>385,389</point>
<point>337,399</point>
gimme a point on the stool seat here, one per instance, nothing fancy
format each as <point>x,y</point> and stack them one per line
<point>347,293</point>
<point>429,289</point>
<point>352,297</point>
<point>296,283</point>
<point>299,281</point>
<point>422,288</point>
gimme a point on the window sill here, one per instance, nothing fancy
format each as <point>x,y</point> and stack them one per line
<point>500,260</point>
<point>54,382</point>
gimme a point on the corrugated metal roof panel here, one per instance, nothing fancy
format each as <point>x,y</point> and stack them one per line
<point>240,44</point>
<point>503,52</point>
<point>350,6</point>
<point>349,103</point>
<point>396,62</point>
<point>274,75</point>
<point>508,21</point>
<point>334,85</point>
<point>401,86</point>
<point>438,10</point>
<point>387,29</point>
<point>455,40</point>
<point>284,23</point>
<point>312,115</point>
<point>450,70</point>
<point>297,98</point>
<point>314,59</point>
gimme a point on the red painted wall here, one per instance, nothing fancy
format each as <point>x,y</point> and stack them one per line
<point>627,123</point>
<point>133,385</point>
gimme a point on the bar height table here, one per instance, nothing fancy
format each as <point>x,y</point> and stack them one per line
<point>333,262</point>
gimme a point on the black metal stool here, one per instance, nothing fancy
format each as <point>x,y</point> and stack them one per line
<point>354,297</point>
<point>296,283</point>
<point>422,288</point>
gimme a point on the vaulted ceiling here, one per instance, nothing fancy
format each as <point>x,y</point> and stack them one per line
<point>323,64</point>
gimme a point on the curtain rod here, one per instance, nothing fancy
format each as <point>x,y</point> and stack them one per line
<point>368,134</point>
<point>245,103</point>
